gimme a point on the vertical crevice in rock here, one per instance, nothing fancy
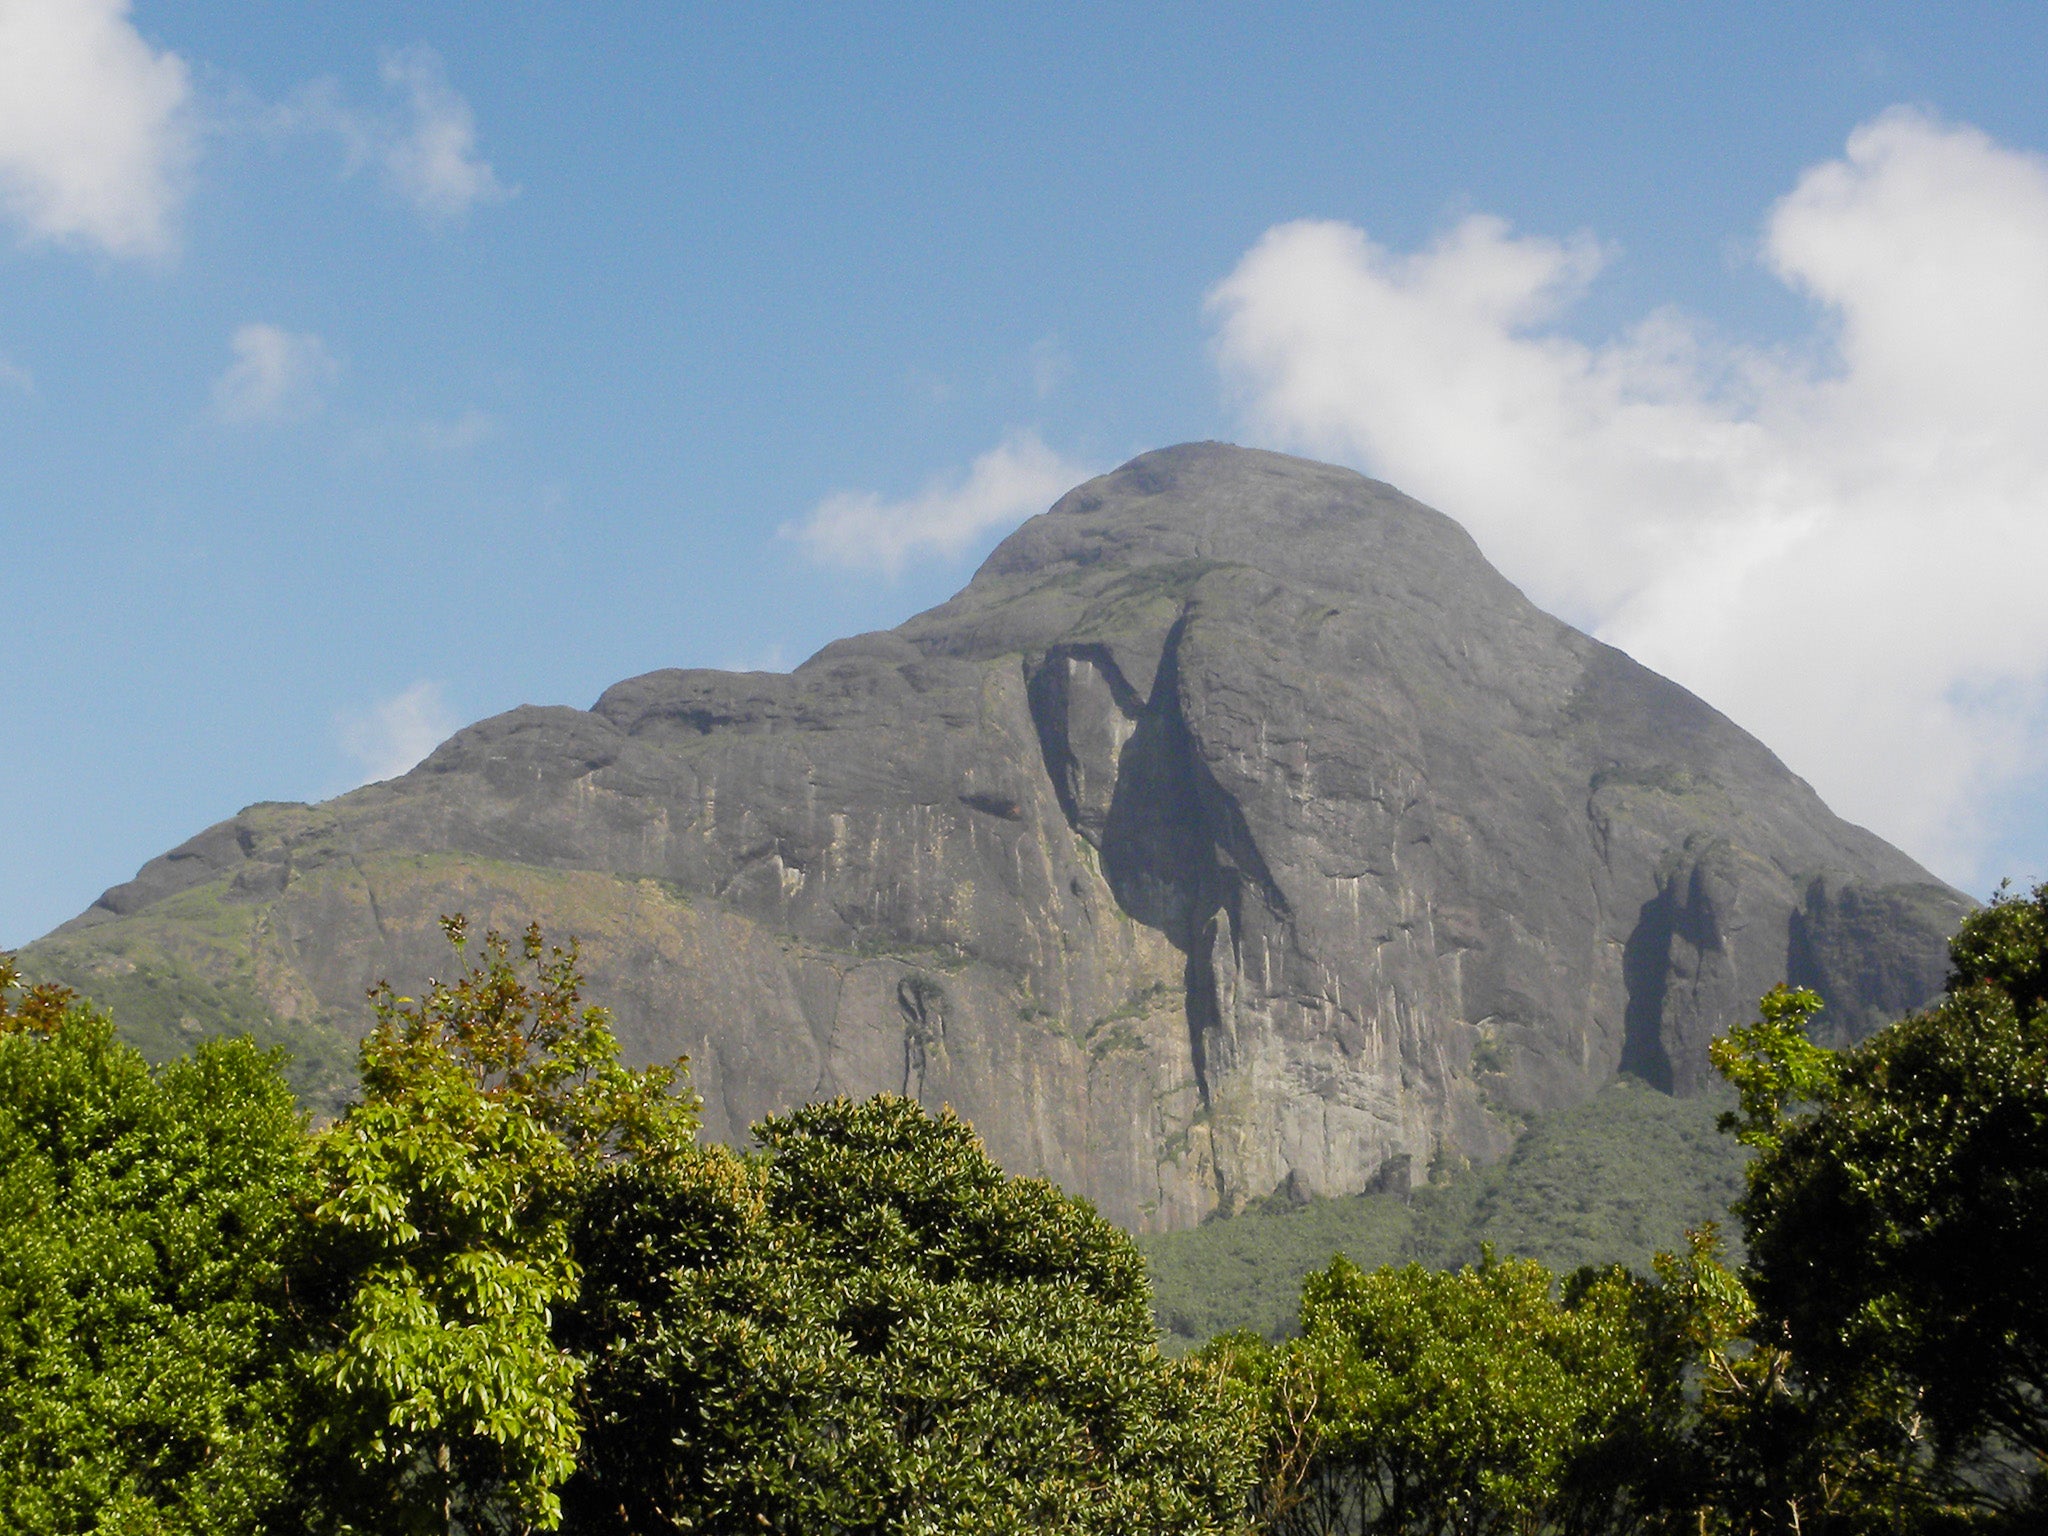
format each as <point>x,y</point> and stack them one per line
<point>1680,971</point>
<point>1198,981</point>
<point>1084,712</point>
<point>1646,973</point>
<point>1707,908</point>
<point>1046,690</point>
<point>1160,857</point>
<point>1157,854</point>
<point>922,1002</point>
<point>1177,853</point>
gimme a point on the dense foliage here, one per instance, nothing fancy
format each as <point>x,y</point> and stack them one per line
<point>438,1250</point>
<point>143,1222</point>
<point>509,1267</point>
<point>1897,1208</point>
<point>870,1328</point>
<point>1423,1401</point>
<point>508,1291</point>
<point>1614,1180</point>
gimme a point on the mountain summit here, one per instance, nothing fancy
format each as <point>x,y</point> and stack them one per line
<point>1237,828</point>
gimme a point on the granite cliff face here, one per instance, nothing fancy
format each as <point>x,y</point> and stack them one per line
<point>1237,828</point>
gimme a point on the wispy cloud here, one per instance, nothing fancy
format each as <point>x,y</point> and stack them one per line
<point>433,161</point>
<point>15,377</point>
<point>276,375</point>
<point>424,143</point>
<point>1845,554</point>
<point>96,134</point>
<point>1050,366</point>
<point>393,735</point>
<point>859,529</point>
<point>929,388</point>
<point>459,435</point>
<point>769,658</point>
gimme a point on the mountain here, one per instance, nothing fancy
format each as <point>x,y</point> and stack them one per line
<point>1237,829</point>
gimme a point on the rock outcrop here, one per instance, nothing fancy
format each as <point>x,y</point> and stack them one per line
<point>1238,827</point>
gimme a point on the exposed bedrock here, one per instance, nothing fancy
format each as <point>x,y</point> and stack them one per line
<point>1237,828</point>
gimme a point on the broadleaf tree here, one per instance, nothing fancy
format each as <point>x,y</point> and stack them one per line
<point>869,1328</point>
<point>1895,1221</point>
<point>438,1249</point>
<point>144,1215</point>
<point>1417,1402</point>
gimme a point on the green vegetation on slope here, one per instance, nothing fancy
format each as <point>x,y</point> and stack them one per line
<point>165,1010</point>
<point>218,959</point>
<point>1615,1180</point>
<point>1612,1181</point>
<point>186,970</point>
<point>1246,1272</point>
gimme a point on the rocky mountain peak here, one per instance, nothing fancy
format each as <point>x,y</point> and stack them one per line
<point>1237,827</point>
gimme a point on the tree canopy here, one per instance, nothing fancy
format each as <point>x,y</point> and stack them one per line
<point>508,1290</point>
<point>438,1248</point>
<point>871,1328</point>
<point>1896,1210</point>
<point>1449,1403</point>
<point>144,1216</point>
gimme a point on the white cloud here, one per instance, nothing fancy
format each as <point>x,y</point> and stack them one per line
<point>14,376</point>
<point>96,136</point>
<point>277,375</point>
<point>1842,544</point>
<point>392,736</point>
<point>434,162</point>
<point>1013,480</point>
<point>425,147</point>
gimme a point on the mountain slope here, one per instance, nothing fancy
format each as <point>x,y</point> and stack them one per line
<point>1237,828</point>
<point>1611,1181</point>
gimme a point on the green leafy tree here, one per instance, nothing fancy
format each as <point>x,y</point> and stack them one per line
<point>1728,1440</point>
<point>1452,1404</point>
<point>144,1386</point>
<point>1775,1067</point>
<point>1895,1223</point>
<point>1495,1400</point>
<point>439,1245</point>
<point>869,1328</point>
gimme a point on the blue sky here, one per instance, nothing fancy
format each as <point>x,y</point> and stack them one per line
<point>368,369</point>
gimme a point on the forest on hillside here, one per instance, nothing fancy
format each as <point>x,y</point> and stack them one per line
<point>510,1290</point>
<point>1615,1180</point>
